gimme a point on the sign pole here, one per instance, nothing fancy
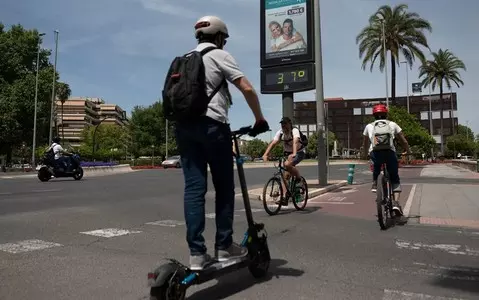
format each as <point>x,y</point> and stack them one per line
<point>320,126</point>
<point>288,105</point>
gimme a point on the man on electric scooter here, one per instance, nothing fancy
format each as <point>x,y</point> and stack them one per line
<point>207,141</point>
<point>381,135</point>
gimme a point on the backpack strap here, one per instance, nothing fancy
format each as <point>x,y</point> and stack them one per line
<point>223,82</point>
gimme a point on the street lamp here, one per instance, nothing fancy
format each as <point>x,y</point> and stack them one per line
<point>34,146</point>
<point>53,87</point>
<point>407,84</point>
<point>385,61</point>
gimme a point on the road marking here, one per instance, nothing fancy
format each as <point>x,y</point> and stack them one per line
<point>337,199</point>
<point>109,232</point>
<point>407,208</point>
<point>400,295</point>
<point>252,210</point>
<point>6,177</point>
<point>349,191</point>
<point>27,246</point>
<point>449,248</point>
<point>213,215</point>
<point>5,194</point>
<point>45,191</point>
<point>167,223</point>
<point>457,269</point>
<point>328,202</point>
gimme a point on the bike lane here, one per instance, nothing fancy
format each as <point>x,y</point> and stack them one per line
<point>357,200</point>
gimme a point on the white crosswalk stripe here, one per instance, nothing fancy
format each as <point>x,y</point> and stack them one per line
<point>401,295</point>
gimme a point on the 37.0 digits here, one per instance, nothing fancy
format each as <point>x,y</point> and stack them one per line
<point>294,74</point>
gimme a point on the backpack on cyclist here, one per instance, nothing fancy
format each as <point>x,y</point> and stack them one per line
<point>184,93</point>
<point>383,135</point>
<point>302,137</point>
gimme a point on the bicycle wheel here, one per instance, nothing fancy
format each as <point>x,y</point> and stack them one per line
<point>380,201</point>
<point>303,191</point>
<point>276,195</point>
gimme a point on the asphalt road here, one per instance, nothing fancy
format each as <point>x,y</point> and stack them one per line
<point>54,244</point>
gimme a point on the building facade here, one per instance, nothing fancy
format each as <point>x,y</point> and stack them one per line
<point>347,117</point>
<point>81,112</point>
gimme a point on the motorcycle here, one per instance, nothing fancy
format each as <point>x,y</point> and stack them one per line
<point>49,168</point>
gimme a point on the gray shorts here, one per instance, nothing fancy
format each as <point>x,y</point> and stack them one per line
<point>297,158</point>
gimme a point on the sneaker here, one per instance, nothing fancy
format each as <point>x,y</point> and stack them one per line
<point>397,188</point>
<point>234,251</point>
<point>374,187</point>
<point>198,262</point>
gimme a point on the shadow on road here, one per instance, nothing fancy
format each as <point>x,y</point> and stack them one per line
<point>231,284</point>
<point>459,278</point>
<point>307,210</point>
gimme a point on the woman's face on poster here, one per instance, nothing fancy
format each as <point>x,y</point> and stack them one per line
<point>275,30</point>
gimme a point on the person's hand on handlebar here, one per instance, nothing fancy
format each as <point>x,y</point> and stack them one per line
<point>259,127</point>
<point>265,158</point>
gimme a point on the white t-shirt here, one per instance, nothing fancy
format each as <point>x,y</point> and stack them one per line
<point>57,150</point>
<point>219,64</point>
<point>288,140</point>
<point>368,131</point>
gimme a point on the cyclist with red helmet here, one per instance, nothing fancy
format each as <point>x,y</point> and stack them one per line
<point>381,135</point>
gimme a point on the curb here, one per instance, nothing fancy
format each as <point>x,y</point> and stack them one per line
<point>312,193</point>
<point>91,171</point>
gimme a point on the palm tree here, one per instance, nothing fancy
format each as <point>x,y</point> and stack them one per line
<point>63,93</point>
<point>403,31</point>
<point>444,67</point>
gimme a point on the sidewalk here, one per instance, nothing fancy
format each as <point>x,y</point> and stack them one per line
<point>452,203</point>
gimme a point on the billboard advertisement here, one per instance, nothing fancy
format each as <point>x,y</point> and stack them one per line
<point>286,32</point>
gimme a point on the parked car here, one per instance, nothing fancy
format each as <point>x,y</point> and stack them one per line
<point>172,162</point>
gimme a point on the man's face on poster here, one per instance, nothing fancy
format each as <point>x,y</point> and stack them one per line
<point>287,28</point>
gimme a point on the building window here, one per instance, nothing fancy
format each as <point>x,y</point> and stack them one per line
<point>424,115</point>
<point>369,111</point>
<point>357,111</point>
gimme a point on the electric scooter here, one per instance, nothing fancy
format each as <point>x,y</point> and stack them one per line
<point>172,279</point>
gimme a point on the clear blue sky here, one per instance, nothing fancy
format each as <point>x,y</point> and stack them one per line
<point>120,50</point>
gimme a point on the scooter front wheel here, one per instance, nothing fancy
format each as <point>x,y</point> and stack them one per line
<point>261,259</point>
<point>170,290</point>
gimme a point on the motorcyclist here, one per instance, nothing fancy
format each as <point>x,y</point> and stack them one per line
<point>62,157</point>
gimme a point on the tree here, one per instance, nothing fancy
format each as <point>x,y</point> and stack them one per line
<point>255,148</point>
<point>444,67</point>
<point>312,148</point>
<point>63,92</point>
<point>111,141</point>
<point>404,32</point>
<point>18,56</point>
<point>463,142</point>
<point>148,126</point>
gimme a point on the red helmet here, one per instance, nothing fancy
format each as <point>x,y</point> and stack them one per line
<point>380,109</point>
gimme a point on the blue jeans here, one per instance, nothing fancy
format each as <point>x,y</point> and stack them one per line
<point>388,157</point>
<point>207,142</point>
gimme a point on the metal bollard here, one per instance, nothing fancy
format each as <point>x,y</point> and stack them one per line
<point>351,173</point>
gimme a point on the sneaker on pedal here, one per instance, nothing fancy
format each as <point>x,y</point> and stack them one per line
<point>234,251</point>
<point>374,187</point>
<point>396,188</point>
<point>198,262</point>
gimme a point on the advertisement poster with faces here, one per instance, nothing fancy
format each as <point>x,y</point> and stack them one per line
<point>286,28</point>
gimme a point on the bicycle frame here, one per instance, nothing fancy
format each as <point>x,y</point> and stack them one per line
<point>280,173</point>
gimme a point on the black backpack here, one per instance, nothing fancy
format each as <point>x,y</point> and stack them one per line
<point>303,138</point>
<point>184,93</point>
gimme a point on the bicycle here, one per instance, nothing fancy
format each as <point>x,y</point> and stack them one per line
<point>385,199</point>
<point>293,191</point>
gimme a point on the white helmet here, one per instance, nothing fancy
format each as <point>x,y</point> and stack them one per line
<point>210,25</point>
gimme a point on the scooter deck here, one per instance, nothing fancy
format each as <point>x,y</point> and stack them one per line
<point>214,270</point>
